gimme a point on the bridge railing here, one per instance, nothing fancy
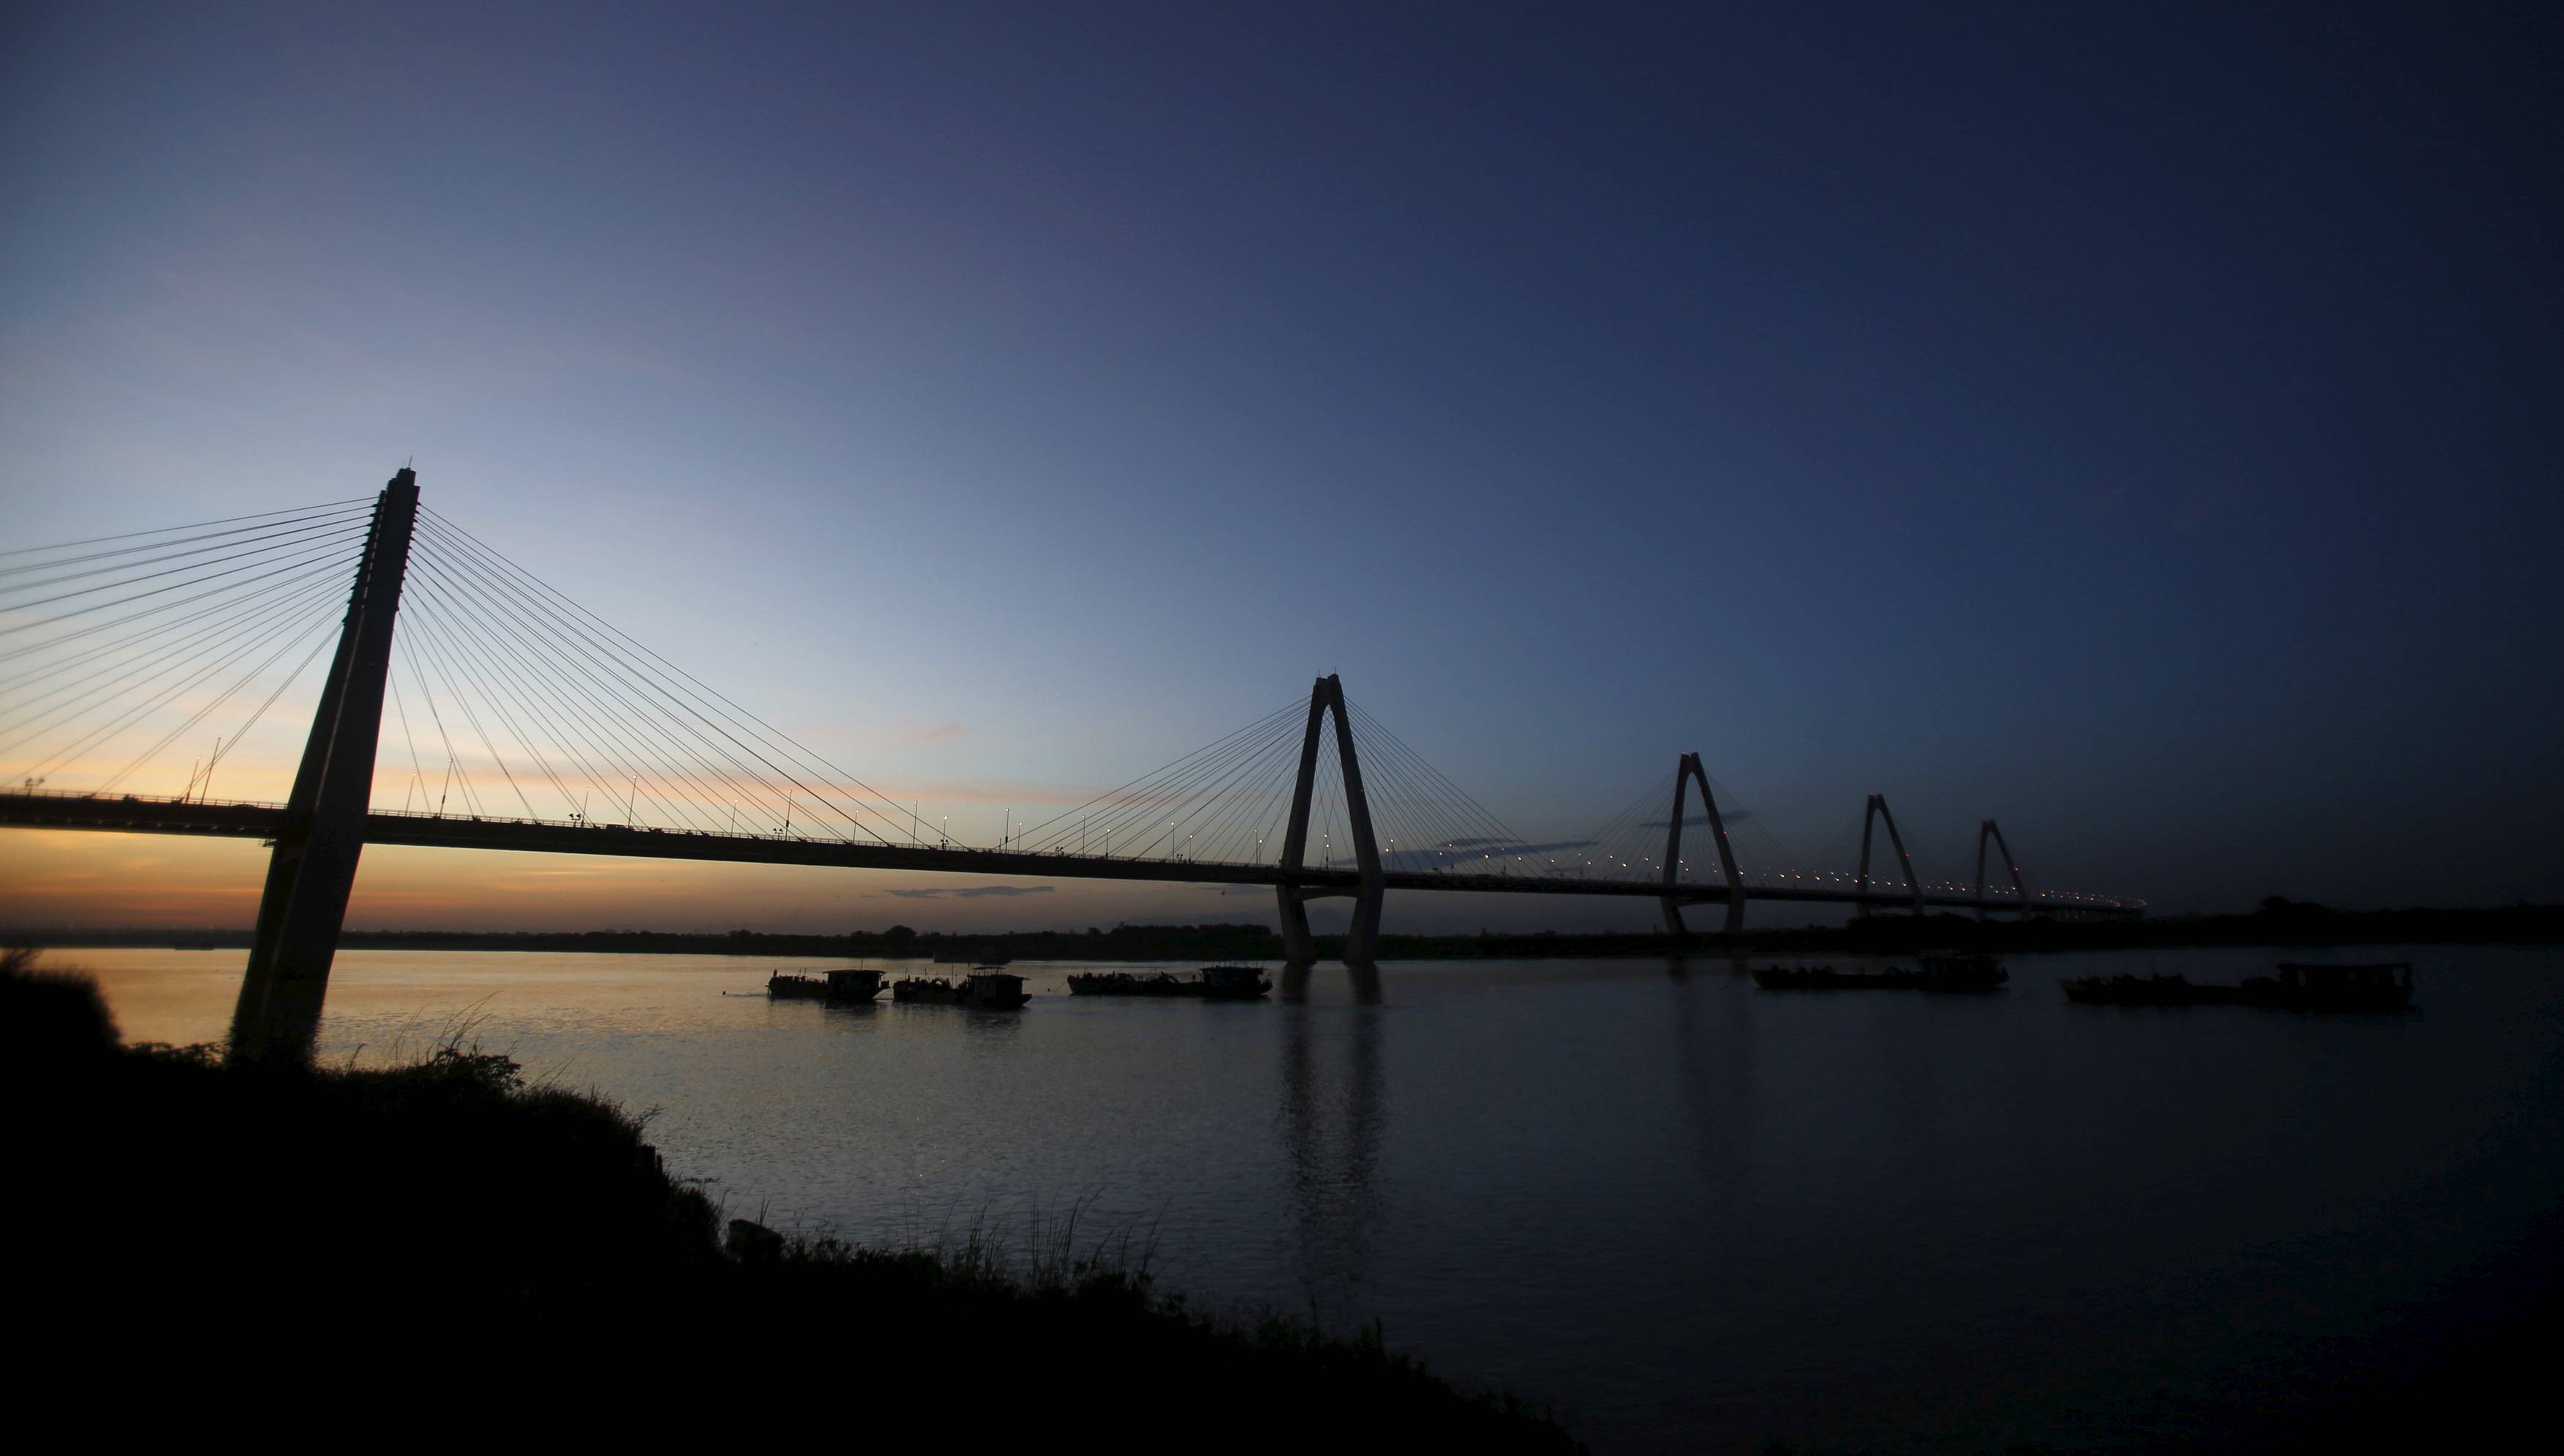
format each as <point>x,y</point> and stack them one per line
<point>1493,875</point>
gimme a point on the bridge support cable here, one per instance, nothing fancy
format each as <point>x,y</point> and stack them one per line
<point>103,704</point>
<point>1452,833</point>
<point>106,649</point>
<point>549,705</point>
<point>1361,936</point>
<point>448,648</point>
<point>682,705</point>
<point>1422,822</point>
<point>1642,842</point>
<point>317,633</point>
<point>618,741</point>
<point>263,543</point>
<point>316,585</point>
<point>615,739</point>
<point>322,833</point>
<point>358,506</point>
<point>2020,895</point>
<point>1624,844</point>
<point>121,716</point>
<point>1215,804</point>
<point>1686,772</point>
<point>254,562</point>
<point>1912,882</point>
<point>583,733</point>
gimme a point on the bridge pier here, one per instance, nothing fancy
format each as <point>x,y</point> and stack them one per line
<point>1685,772</point>
<point>1362,938</point>
<point>324,829</point>
<point>1299,947</point>
<point>1877,809</point>
<point>1987,831</point>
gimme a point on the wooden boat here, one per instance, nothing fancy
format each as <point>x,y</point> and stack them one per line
<point>784,988</point>
<point>2144,990</point>
<point>1210,983</point>
<point>986,988</point>
<point>1934,973</point>
<point>2298,987</point>
<point>1951,972</point>
<point>853,987</point>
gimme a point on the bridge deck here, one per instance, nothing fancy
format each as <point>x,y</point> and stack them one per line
<point>142,815</point>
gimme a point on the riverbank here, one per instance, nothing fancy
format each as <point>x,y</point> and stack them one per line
<point>445,1225</point>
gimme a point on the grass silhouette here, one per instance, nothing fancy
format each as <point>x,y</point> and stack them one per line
<point>441,1224</point>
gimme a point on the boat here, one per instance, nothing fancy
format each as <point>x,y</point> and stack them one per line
<point>985,988</point>
<point>1933,973</point>
<point>1951,972</point>
<point>2144,990</point>
<point>2385,985</point>
<point>1210,983</point>
<point>853,987</point>
<point>787,988</point>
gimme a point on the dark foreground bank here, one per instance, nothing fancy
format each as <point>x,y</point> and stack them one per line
<point>433,1240</point>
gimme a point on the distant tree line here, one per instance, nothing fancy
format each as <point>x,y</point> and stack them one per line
<point>2279,921</point>
<point>1121,943</point>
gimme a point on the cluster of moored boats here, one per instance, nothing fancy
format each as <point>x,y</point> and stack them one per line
<point>1929,973</point>
<point>2298,985</point>
<point>1210,983</point>
<point>991,987</point>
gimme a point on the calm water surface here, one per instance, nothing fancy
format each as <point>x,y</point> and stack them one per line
<point>1691,1215</point>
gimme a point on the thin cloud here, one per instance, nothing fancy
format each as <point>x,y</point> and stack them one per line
<point>1462,854</point>
<point>1732,816</point>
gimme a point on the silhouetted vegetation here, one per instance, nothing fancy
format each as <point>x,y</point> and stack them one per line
<point>443,1224</point>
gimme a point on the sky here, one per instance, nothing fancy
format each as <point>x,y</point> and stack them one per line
<point>2135,424</point>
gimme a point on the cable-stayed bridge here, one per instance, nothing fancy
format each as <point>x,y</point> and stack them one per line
<point>520,720</point>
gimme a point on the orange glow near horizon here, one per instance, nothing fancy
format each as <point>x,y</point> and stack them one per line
<point>84,880</point>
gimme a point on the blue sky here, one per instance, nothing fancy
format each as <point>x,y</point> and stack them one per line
<point>2137,424</point>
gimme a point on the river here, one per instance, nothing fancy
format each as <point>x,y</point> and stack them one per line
<point>1689,1214</point>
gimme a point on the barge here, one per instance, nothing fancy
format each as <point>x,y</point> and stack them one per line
<point>836,987</point>
<point>785,986</point>
<point>2298,987</point>
<point>1930,973</point>
<point>986,988</point>
<point>1210,983</point>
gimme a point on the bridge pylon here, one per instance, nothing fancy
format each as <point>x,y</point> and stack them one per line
<point>323,828</point>
<point>1362,938</point>
<point>1685,772</point>
<point>1877,809</point>
<point>1987,831</point>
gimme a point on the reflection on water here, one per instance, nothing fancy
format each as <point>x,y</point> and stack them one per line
<point>1695,1212</point>
<point>1717,1073</point>
<point>1331,1120</point>
<point>1363,977</point>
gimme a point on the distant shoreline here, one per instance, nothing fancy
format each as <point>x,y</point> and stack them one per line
<point>2279,923</point>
